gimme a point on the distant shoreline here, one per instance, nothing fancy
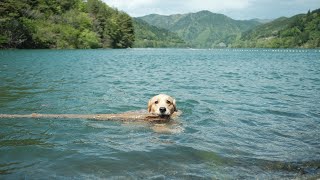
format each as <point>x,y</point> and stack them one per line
<point>213,49</point>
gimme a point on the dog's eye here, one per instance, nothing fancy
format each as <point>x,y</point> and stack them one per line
<point>168,102</point>
<point>156,102</point>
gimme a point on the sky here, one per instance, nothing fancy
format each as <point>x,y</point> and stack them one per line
<point>236,9</point>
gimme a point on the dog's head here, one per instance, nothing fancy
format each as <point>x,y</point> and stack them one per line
<point>162,105</point>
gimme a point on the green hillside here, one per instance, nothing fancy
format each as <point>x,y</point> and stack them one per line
<point>162,21</point>
<point>298,31</point>
<point>63,24</point>
<point>203,29</point>
<point>69,24</point>
<point>150,36</point>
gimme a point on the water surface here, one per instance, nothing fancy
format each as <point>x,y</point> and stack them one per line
<point>246,114</point>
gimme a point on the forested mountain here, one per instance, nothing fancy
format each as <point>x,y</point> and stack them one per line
<point>203,29</point>
<point>63,24</point>
<point>298,31</point>
<point>147,35</point>
<point>69,24</point>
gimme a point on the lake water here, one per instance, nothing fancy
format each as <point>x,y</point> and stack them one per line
<point>246,114</point>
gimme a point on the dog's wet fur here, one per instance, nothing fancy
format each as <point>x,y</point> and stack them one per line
<point>161,109</point>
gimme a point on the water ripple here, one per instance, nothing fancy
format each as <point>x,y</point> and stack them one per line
<point>246,115</point>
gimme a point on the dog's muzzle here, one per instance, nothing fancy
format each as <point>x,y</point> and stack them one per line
<point>162,110</point>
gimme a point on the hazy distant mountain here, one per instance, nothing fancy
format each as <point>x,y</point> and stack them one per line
<point>268,29</point>
<point>263,21</point>
<point>203,29</point>
<point>147,35</point>
<point>301,30</point>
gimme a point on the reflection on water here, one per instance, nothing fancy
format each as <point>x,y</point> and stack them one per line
<point>246,114</point>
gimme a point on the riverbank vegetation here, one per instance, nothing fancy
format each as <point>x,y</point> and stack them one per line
<point>63,24</point>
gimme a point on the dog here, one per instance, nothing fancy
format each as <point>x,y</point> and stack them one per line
<point>161,109</point>
<point>162,105</point>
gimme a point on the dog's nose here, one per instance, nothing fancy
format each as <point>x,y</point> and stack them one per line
<point>162,109</point>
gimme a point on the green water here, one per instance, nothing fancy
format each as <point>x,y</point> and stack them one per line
<point>246,114</point>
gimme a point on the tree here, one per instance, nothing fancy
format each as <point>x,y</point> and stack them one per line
<point>63,24</point>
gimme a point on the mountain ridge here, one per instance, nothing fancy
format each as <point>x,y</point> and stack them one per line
<point>203,29</point>
<point>148,36</point>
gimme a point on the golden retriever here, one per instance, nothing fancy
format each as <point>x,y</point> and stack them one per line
<point>161,108</point>
<point>162,105</point>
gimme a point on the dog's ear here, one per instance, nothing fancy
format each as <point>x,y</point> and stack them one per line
<point>174,105</point>
<point>149,105</point>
